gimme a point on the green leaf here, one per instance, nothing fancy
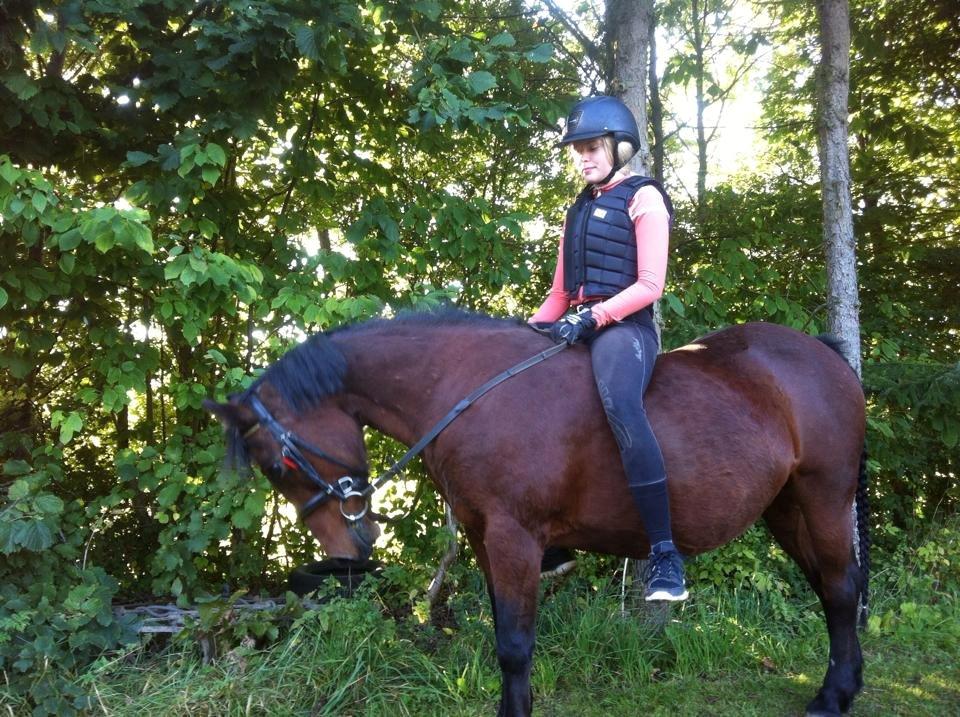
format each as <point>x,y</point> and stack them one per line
<point>62,223</point>
<point>210,175</point>
<point>142,237</point>
<point>32,535</point>
<point>504,39</point>
<point>541,53</point>
<point>47,503</point>
<point>71,425</point>
<point>137,159</point>
<point>3,297</point>
<point>461,51</point>
<point>70,239</point>
<point>186,166</point>
<point>216,154</point>
<point>481,81</point>
<point>39,201</point>
<point>217,356</point>
<point>242,519</point>
<point>429,8</point>
<point>389,227</point>
<point>19,490</point>
<point>104,241</point>
<point>674,304</point>
<point>168,494</point>
<point>66,262</point>
<point>950,434</point>
<point>8,172</point>
<point>21,85</point>
<point>16,467</point>
<point>190,330</point>
<point>306,43</point>
<point>207,227</point>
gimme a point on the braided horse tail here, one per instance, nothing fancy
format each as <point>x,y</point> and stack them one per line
<point>861,514</point>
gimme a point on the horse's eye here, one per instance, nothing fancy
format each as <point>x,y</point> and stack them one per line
<point>275,470</point>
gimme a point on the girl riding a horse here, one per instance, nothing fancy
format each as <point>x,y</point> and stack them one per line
<point>611,268</point>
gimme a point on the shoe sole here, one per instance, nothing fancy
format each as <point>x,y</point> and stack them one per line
<point>561,569</point>
<point>664,596</point>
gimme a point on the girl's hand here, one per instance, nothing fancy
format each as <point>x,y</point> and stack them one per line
<point>574,327</point>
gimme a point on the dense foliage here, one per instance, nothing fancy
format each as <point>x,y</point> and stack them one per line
<point>188,187</point>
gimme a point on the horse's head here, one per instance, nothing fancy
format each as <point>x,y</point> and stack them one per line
<point>315,458</point>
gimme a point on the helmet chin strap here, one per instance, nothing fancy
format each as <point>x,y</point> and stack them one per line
<point>616,168</point>
<point>617,164</point>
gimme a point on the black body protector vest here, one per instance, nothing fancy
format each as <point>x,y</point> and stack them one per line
<point>599,245</point>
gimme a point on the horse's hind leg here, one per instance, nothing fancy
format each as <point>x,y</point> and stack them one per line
<point>817,532</point>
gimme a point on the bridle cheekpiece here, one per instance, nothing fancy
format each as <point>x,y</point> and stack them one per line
<point>352,485</point>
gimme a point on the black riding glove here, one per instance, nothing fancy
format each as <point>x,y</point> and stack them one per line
<point>573,327</point>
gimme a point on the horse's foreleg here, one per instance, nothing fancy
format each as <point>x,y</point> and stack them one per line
<point>512,557</point>
<point>480,552</point>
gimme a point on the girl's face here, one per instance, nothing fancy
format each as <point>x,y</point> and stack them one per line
<point>593,159</point>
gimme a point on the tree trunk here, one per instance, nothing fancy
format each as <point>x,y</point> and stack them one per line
<point>699,19</point>
<point>833,84</point>
<point>656,105</point>
<point>628,23</point>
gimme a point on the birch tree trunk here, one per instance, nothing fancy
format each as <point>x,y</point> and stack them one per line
<point>833,84</point>
<point>656,105</point>
<point>628,25</point>
<point>699,19</point>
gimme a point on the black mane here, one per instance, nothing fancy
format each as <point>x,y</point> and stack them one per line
<point>316,368</point>
<point>306,374</point>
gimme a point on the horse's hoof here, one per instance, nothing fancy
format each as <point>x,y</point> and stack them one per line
<point>822,711</point>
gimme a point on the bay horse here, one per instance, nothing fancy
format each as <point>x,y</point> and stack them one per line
<point>753,420</point>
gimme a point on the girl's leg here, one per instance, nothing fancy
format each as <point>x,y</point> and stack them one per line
<point>623,357</point>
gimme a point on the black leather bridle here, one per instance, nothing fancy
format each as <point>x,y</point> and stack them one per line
<point>356,484</point>
<point>352,485</point>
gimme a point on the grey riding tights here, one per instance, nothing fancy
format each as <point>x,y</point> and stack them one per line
<point>623,356</point>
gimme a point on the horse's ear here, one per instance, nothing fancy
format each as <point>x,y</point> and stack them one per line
<point>230,414</point>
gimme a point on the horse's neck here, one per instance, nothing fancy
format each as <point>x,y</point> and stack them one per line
<point>391,379</point>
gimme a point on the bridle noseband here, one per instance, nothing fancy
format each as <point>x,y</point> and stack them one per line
<point>353,485</point>
<point>350,486</point>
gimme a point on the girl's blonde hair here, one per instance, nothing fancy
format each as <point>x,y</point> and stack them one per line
<point>624,150</point>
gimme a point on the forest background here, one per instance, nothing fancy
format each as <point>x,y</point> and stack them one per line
<point>189,188</point>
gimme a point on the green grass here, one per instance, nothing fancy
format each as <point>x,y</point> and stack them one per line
<point>724,652</point>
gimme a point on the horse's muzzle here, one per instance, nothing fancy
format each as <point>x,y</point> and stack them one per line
<point>364,534</point>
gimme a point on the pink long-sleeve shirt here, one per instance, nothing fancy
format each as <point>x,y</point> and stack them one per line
<point>651,223</point>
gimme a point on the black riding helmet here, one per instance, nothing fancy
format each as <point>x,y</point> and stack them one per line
<point>603,116</point>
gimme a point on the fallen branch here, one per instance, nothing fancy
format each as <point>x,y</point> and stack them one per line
<point>448,558</point>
